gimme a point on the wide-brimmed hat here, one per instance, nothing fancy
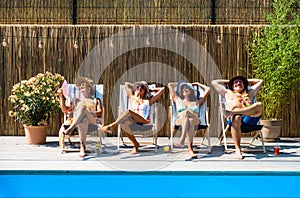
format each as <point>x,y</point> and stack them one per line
<point>88,81</point>
<point>147,91</point>
<point>180,86</point>
<point>245,81</point>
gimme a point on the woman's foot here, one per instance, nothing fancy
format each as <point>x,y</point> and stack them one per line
<point>106,129</point>
<point>178,144</point>
<point>238,155</point>
<point>135,149</point>
<point>192,154</point>
<point>82,152</point>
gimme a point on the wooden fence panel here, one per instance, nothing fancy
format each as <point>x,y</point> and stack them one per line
<point>22,58</point>
<point>134,12</point>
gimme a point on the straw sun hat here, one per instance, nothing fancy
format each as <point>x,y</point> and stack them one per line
<point>180,86</point>
<point>81,79</point>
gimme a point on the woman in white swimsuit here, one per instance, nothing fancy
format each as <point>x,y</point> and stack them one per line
<point>139,111</point>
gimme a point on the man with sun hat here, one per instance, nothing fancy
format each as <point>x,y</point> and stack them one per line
<point>238,105</point>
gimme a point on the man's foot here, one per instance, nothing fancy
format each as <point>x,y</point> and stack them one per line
<point>178,144</point>
<point>106,129</point>
<point>238,155</point>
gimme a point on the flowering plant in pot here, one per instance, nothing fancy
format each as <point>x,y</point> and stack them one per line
<point>33,100</point>
<point>274,54</point>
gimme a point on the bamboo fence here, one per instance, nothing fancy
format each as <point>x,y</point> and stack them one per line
<point>22,58</point>
<point>134,12</point>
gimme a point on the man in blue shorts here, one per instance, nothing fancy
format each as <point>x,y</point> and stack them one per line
<point>239,106</point>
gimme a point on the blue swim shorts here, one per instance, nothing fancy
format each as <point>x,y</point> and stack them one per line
<point>246,120</point>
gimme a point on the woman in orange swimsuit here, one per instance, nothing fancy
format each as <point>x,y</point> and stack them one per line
<point>85,112</point>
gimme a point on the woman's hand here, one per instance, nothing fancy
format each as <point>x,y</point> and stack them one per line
<point>157,95</point>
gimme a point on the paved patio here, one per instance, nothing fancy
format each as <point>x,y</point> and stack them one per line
<point>15,154</point>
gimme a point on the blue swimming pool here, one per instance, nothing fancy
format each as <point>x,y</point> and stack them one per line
<point>148,184</point>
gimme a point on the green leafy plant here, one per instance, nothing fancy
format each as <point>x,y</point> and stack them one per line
<point>34,99</point>
<point>274,54</point>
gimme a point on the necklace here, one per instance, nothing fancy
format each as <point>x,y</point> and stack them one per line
<point>243,98</point>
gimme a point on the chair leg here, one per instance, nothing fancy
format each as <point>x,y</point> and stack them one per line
<point>173,132</point>
<point>155,142</point>
<point>258,133</point>
<point>100,135</point>
<point>254,137</point>
<point>224,136</point>
<point>206,135</point>
<point>122,139</point>
<point>69,139</point>
<point>262,141</point>
<point>118,136</point>
<point>221,137</point>
<point>208,139</point>
<point>203,139</point>
<point>171,139</point>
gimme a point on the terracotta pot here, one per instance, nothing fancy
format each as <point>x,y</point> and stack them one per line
<point>36,134</point>
<point>271,130</point>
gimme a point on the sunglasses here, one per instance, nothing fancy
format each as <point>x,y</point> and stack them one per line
<point>83,85</point>
<point>185,87</point>
<point>140,86</point>
<point>238,81</point>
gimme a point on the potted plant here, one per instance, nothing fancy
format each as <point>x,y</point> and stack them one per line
<point>33,101</point>
<point>274,54</point>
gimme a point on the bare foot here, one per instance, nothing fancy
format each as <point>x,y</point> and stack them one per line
<point>107,129</point>
<point>135,149</point>
<point>238,156</point>
<point>178,144</point>
<point>192,154</point>
<point>82,152</point>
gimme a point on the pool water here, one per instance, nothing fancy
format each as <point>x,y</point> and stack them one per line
<point>148,184</point>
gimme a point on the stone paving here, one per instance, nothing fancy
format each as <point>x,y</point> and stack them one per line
<point>15,154</point>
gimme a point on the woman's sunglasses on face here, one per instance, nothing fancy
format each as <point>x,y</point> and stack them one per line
<point>83,85</point>
<point>185,87</point>
<point>140,86</point>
